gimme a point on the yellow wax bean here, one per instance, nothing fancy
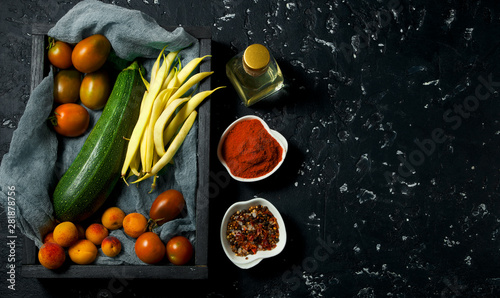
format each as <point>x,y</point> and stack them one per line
<point>135,165</point>
<point>158,106</point>
<point>186,71</point>
<point>169,78</point>
<point>174,82</point>
<point>148,146</point>
<point>156,65</point>
<point>144,115</point>
<point>172,149</point>
<point>162,122</point>
<point>146,83</point>
<point>186,110</point>
<point>171,57</point>
<point>176,143</point>
<point>143,149</point>
<point>136,160</point>
<point>195,79</point>
<point>153,185</point>
<point>143,100</point>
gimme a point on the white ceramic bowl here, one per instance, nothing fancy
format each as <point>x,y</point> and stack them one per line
<point>276,135</point>
<point>252,260</point>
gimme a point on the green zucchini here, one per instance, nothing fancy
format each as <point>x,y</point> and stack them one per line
<point>91,177</point>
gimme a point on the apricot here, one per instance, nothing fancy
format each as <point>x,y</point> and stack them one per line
<point>96,233</point>
<point>112,218</point>
<point>51,255</point>
<point>134,224</point>
<point>65,234</point>
<point>111,246</point>
<point>49,238</point>
<point>83,252</point>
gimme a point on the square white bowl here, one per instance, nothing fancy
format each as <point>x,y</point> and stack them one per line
<point>252,260</point>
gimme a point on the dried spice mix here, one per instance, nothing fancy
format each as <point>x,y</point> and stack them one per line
<point>251,230</point>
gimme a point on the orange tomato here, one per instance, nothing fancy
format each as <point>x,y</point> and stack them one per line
<point>67,86</point>
<point>95,89</point>
<point>59,54</point>
<point>91,53</point>
<point>179,250</point>
<point>149,248</point>
<point>70,120</point>
<point>167,206</point>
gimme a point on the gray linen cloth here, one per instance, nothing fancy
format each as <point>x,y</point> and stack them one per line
<point>37,157</point>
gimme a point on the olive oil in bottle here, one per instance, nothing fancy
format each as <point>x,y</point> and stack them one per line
<point>254,74</point>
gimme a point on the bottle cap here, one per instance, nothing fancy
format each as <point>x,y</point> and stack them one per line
<point>256,59</point>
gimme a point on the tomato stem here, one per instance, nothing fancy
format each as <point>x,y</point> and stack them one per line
<point>52,43</point>
<point>53,119</point>
<point>153,224</point>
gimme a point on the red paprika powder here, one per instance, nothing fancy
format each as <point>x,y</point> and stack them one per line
<point>249,150</point>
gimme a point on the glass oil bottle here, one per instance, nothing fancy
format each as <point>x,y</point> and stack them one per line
<point>254,74</point>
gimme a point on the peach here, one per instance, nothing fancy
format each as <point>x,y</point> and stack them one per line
<point>111,246</point>
<point>112,218</point>
<point>96,233</point>
<point>51,255</point>
<point>83,252</point>
<point>134,224</point>
<point>65,234</point>
<point>49,238</point>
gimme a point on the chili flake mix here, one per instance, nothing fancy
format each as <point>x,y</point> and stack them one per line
<point>251,230</point>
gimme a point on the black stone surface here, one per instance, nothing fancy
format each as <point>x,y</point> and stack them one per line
<point>391,110</point>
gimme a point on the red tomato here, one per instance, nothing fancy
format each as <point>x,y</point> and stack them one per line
<point>149,248</point>
<point>59,54</point>
<point>95,89</point>
<point>70,120</point>
<point>167,206</point>
<point>67,86</point>
<point>179,250</point>
<point>91,53</point>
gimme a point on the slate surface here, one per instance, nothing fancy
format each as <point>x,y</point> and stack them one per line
<point>391,111</point>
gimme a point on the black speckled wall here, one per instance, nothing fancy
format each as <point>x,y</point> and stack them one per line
<point>391,110</point>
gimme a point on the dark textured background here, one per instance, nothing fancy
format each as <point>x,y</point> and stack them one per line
<point>369,212</point>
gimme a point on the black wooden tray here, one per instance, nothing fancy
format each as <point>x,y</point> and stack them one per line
<point>30,265</point>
